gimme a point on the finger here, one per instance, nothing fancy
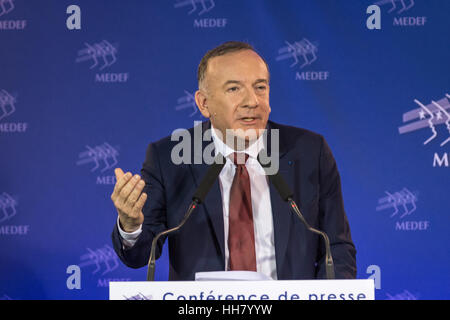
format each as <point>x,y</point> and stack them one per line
<point>128,188</point>
<point>134,195</point>
<point>140,203</point>
<point>119,173</point>
<point>120,183</point>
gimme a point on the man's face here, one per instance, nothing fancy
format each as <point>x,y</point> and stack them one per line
<point>235,92</point>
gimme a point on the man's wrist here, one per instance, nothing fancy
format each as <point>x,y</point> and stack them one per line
<point>128,235</point>
<point>128,230</point>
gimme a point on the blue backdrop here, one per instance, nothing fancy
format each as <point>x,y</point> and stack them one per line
<point>75,104</point>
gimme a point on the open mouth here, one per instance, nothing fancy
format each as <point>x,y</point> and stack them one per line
<point>248,119</point>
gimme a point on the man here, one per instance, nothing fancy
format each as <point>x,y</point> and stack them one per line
<point>243,223</point>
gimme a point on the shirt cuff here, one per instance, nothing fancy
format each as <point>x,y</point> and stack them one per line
<point>129,238</point>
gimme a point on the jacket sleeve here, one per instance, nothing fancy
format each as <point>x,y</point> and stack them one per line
<point>154,212</point>
<point>333,219</point>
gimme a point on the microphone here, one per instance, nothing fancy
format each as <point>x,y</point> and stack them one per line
<point>199,196</point>
<point>287,195</point>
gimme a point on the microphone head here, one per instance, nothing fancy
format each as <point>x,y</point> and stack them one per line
<point>278,182</point>
<point>208,179</point>
<point>282,187</point>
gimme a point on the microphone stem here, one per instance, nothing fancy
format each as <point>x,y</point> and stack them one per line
<point>329,266</point>
<point>151,263</point>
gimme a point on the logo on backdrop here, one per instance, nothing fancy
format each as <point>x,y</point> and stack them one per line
<point>101,261</point>
<point>397,8</point>
<point>187,102</point>
<point>7,108</point>
<point>302,54</point>
<point>404,295</point>
<point>433,118</point>
<point>101,158</point>
<point>401,205</point>
<point>8,210</point>
<point>7,104</point>
<point>102,55</point>
<point>203,5</point>
<point>7,207</point>
<point>199,8</point>
<point>7,6</point>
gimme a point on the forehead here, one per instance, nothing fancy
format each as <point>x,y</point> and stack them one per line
<point>241,65</point>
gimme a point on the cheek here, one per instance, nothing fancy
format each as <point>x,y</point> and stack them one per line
<point>224,115</point>
<point>265,105</point>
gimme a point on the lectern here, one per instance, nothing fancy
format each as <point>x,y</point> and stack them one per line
<point>355,289</point>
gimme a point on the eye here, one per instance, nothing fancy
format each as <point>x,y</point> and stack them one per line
<point>233,89</point>
<point>261,87</point>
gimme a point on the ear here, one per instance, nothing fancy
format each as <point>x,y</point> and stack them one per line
<point>201,101</point>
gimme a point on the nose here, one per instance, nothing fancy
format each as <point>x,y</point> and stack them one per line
<point>250,99</point>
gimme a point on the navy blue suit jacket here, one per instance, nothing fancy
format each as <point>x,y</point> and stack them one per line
<point>308,166</point>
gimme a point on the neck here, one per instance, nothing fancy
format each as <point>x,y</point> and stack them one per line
<point>237,143</point>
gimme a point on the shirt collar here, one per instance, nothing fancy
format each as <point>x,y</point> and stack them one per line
<point>220,147</point>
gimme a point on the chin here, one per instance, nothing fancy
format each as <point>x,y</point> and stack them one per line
<point>248,133</point>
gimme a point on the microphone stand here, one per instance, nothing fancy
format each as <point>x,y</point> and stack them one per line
<point>152,259</point>
<point>200,194</point>
<point>329,265</point>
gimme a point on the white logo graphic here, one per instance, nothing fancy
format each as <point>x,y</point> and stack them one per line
<point>104,256</point>
<point>206,5</point>
<point>104,153</point>
<point>7,102</point>
<point>7,207</point>
<point>405,5</point>
<point>103,53</point>
<point>304,49</point>
<point>431,115</point>
<point>139,296</point>
<point>398,7</point>
<point>187,102</point>
<point>405,295</point>
<point>403,203</point>
<point>6,6</point>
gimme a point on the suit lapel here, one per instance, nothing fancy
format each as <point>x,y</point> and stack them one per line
<point>281,216</point>
<point>213,200</point>
<point>280,209</point>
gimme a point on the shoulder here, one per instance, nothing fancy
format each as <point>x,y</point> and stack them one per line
<point>291,136</point>
<point>182,138</point>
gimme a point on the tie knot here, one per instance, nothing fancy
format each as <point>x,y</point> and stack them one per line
<point>239,158</point>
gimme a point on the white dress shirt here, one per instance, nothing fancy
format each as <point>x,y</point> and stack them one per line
<point>261,206</point>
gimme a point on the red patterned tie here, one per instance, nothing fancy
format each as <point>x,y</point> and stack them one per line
<point>241,236</point>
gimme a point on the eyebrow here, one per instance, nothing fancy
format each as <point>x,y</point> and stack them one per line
<point>240,82</point>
